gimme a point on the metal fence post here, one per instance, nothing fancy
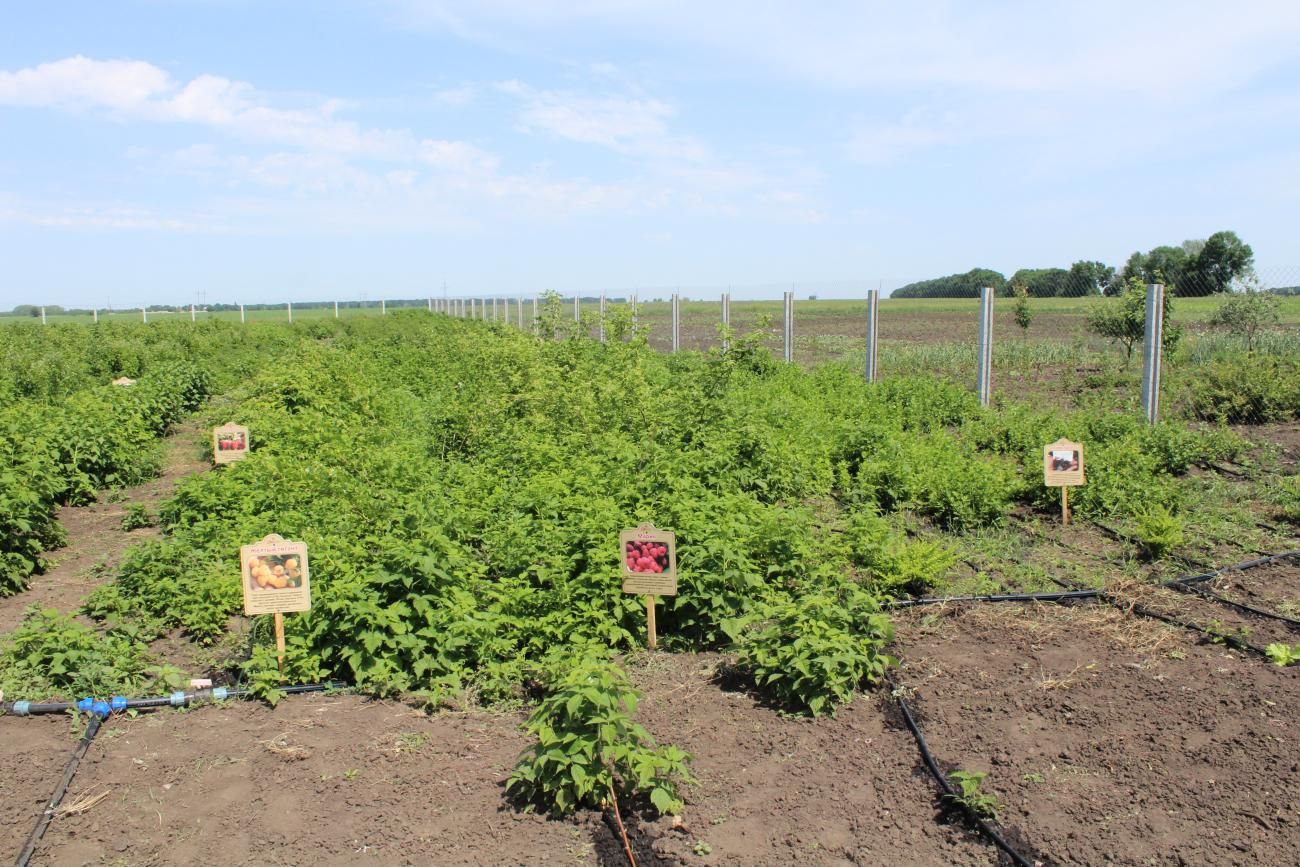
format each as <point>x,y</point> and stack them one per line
<point>788,329</point>
<point>602,317</point>
<point>873,324</point>
<point>985,348</point>
<point>726,320</point>
<point>677,321</point>
<point>1151,351</point>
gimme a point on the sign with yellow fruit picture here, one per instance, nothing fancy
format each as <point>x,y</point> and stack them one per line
<point>275,576</point>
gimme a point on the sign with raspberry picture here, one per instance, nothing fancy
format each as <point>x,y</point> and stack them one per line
<point>229,443</point>
<point>649,558</point>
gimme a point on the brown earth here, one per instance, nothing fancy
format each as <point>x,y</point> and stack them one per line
<point>96,540</point>
<point>1108,739</point>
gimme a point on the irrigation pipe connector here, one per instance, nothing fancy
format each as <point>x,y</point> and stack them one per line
<point>933,767</point>
<point>181,698</point>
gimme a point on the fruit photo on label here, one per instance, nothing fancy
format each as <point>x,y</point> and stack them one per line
<point>646,557</point>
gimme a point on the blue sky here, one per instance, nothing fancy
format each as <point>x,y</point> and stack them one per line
<point>159,151</point>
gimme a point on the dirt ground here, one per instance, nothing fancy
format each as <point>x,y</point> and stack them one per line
<point>1107,738</point>
<point>96,540</point>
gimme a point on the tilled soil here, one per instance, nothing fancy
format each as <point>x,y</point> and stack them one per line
<point>1108,738</point>
<point>1111,739</point>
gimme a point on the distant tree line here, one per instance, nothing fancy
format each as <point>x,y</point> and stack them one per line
<point>1197,267</point>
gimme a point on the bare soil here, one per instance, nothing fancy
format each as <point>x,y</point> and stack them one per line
<point>96,540</point>
<point>1108,738</point>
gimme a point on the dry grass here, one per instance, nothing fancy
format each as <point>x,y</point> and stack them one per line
<point>1043,622</point>
<point>280,746</point>
<point>80,805</point>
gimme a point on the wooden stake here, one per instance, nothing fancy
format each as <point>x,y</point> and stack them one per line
<point>1065,505</point>
<point>650,622</point>
<point>279,641</point>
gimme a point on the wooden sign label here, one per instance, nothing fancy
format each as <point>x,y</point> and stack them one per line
<point>229,443</point>
<point>649,560</point>
<point>1063,464</point>
<point>275,576</point>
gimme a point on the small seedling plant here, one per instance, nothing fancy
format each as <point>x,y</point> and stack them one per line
<point>588,747</point>
<point>970,796</point>
<point>1283,654</point>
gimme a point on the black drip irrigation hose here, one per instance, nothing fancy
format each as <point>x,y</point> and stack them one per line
<point>1227,638</point>
<point>92,729</point>
<point>1232,603</point>
<point>1071,595</point>
<point>951,795</point>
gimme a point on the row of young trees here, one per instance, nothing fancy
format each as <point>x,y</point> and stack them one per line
<point>1197,267</point>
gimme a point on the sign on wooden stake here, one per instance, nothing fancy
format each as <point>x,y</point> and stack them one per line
<point>649,557</point>
<point>1063,467</point>
<point>229,443</point>
<point>275,579</point>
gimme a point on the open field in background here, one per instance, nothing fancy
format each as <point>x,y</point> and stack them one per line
<point>1056,315</point>
<point>917,337</point>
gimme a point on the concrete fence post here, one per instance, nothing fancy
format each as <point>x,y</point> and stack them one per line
<point>336,310</point>
<point>1152,341</point>
<point>985,347</point>
<point>601,324</point>
<point>144,315</point>
<point>726,320</point>
<point>677,322</point>
<point>94,313</point>
<point>788,329</point>
<point>873,333</point>
<point>577,310</point>
<point>191,312</point>
<point>289,306</point>
<point>241,312</point>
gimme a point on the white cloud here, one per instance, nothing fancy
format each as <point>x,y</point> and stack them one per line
<point>97,216</point>
<point>629,125</point>
<point>123,85</point>
<point>311,152</point>
<point>1155,47</point>
<point>139,90</point>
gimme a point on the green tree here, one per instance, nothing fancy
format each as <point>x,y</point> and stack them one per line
<point>1040,282</point>
<point>1167,265</point>
<point>1089,278</point>
<point>1245,313</point>
<point>1196,268</point>
<point>1223,259</point>
<point>966,285</point>
<point>1123,319</point>
<point>1024,316</point>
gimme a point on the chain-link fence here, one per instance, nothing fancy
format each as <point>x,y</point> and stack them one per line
<point>1230,348</point>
